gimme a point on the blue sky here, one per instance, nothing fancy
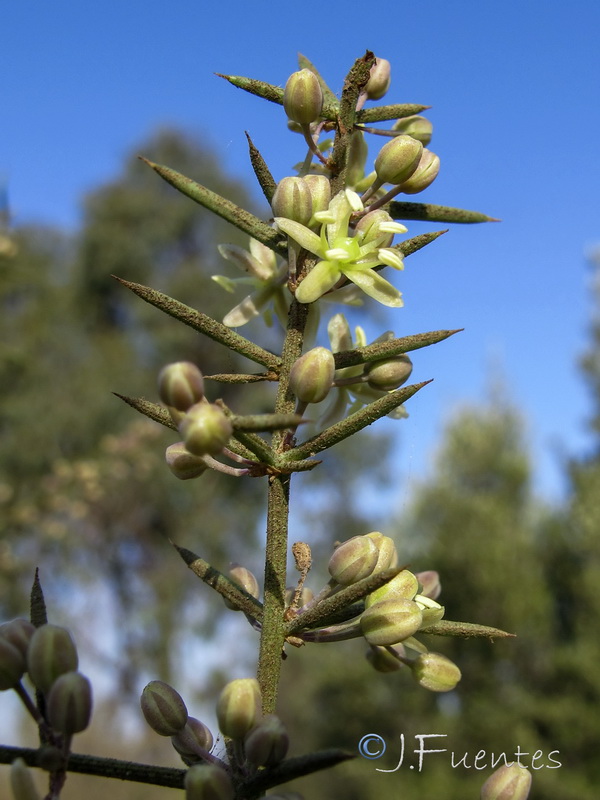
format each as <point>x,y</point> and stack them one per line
<point>514,90</point>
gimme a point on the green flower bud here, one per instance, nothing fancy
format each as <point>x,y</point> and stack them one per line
<point>302,97</point>
<point>238,708</point>
<point>205,429</point>
<point>207,782</point>
<point>69,703</point>
<point>21,781</point>
<point>181,385</point>
<point>388,374</point>
<point>424,175</point>
<point>430,583</point>
<point>368,228</point>
<point>51,653</point>
<point>12,665</point>
<point>431,610</point>
<point>509,782</point>
<point>388,555</point>
<point>320,192</point>
<point>398,159</point>
<point>312,375</point>
<point>353,560</point>
<point>163,708</point>
<point>382,660</point>
<point>390,621</point>
<point>267,743</point>
<point>18,632</point>
<point>435,672</point>
<point>416,126</point>
<point>380,79</point>
<point>244,578</point>
<point>403,587</point>
<point>293,200</point>
<point>182,463</point>
<point>193,736</point>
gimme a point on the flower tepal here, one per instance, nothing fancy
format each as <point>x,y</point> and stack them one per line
<point>343,254</point>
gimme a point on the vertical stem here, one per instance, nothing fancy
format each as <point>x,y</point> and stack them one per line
<point>273,628</point>
<point>272,632</point>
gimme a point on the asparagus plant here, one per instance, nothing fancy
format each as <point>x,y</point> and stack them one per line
<point>330,240</point>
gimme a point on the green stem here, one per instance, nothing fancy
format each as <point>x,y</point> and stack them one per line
<point>354,423</point>
<point>103,767</point>
<point>222,207</point>
<point>432,213</point>
<point>273,629</point>
<point>384,113</point>
<point>203,324</point>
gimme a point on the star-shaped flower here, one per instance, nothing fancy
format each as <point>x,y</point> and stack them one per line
<point>345,253</point>
<point>267,278</point>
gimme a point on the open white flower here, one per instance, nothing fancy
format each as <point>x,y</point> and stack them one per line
<point>345,254</point>
<point>267,278</point>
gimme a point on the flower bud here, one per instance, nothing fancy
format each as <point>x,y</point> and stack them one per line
<point>389,373</point>
<point>353,560</point>
<point>18,632</point>
<point>388,555</point>
<point>12,665</point>
<point>368,228</point>
<point>207,782</point>
<point>432,611</point>
<point>205,429</point>
<point>380,79</point>
<point>312,375</point>
<point>390,621</point>
<point>181,385</point>
<point>246,580</point>
<point>194,736</point>
<point>163,708</point>
<point>267,743</point>
<point>51,653</point>
<point>398,159</point>
<point>382,660</point>
<point>302,97</point>
<point>21,781</point>
<point>238,708</point>
<point>435,672</point>
<point>509,782</point>
<point>182,463</point>
<point>320,192</point>
<point>69,703</point>
<point>403,587</point>
<point>424,175</point>
<point>430,583</point>
<point>418,127</point>
<point>293,200</point>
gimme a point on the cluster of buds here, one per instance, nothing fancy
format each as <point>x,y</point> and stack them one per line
<point>203,425</point>
<point>49,656</point>
<point>387,617</point>
<point>259,741</point>
<point>332,228</point>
